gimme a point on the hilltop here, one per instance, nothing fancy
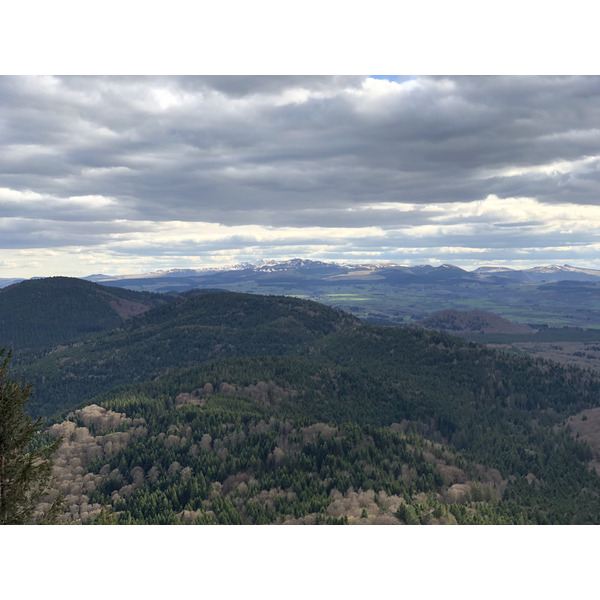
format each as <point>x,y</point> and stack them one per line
<point>186,331</point>
<point>40,313</point>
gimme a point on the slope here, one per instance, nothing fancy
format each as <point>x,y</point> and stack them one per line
<point>182,333</point>
<point>474,321</point>
<point>306,407</point>
<point>42,313</point>
<point>370,426</point>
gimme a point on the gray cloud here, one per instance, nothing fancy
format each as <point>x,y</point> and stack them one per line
<point>249,85</point>
<point>295,152</point>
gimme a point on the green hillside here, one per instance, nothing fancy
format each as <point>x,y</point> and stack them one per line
<point>42,313</point>
<point>234,408</point>
<point>183,333</point>
<point>255,440</point>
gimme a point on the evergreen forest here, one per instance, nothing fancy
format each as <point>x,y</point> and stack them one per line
<point>230,408</point>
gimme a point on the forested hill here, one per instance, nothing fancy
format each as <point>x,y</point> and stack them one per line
<point>384,374</point>
<point>236,408</point>
<point>41,313</point>
<point>186,332</point>
<point>299,414</point>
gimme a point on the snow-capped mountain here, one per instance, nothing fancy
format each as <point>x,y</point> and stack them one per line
<point>560,273</point>
<point>321,268</point>
<point>486,270</point>
<point>563,269</point>
<point>181,279</point>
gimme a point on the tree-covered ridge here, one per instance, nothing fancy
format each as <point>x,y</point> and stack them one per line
<point>485,416</point>
<point>473,321</point>
<point>183,333</point>
<point>222,389</point>
<point>531,468</point>
<point>225,464</point>
<point>230,459</point>
<point>41,313</point>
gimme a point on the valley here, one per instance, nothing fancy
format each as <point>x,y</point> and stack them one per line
<point>393,294</point>
<point>559,304</point>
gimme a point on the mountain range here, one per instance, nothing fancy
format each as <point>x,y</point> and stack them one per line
<point>181,279</point>
<point>395,294</point>
<point>361,272</point>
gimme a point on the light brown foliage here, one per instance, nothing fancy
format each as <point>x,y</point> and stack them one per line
<point>312,433</point>
<point>586,427</point>
<point>80,446</point>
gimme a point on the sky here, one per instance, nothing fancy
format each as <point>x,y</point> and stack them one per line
<point>126,174</point>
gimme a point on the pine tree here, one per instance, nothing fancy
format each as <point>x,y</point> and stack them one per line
<point>25,474</point>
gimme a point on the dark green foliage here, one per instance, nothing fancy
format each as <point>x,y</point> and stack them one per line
<point>42,313</point>
<point>241,380</point>
<point>544,334</point>
<point>184,333</point>
<point>291,484</point>
<point>266,465</point>
<point>25,471</point>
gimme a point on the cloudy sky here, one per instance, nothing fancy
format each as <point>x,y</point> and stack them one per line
<point>132,174</point>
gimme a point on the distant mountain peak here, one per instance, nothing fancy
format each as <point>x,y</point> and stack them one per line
<point>562,269</point>
<point>303,267</point>
<point>492,269</point>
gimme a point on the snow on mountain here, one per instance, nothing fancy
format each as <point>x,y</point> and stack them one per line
<point>546,269</point>
<point>293,265</point>
<point>485,270</point>
<point>563,268</point>
<point>548,272</point>
<point>562,272</point>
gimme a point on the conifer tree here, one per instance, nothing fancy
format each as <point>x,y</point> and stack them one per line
<point>25,473</point>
